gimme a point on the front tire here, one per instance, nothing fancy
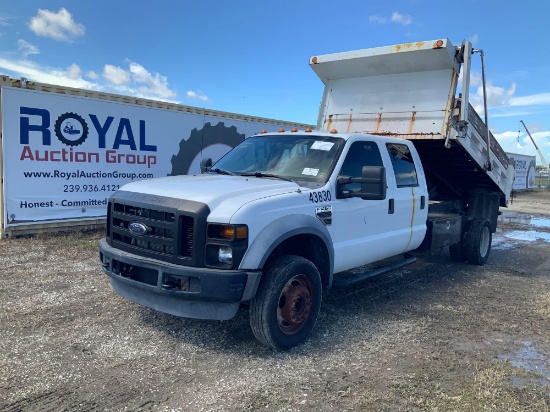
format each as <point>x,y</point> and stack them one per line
<point>478,241</point>
<point>287,303</point>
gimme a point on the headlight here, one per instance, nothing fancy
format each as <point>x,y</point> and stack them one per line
<point>225,245</point>
<point>225,255</point>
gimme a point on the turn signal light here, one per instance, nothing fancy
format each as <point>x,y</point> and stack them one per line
<point>228,232</point>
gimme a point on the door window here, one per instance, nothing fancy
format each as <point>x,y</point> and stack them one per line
<point>403,165</point>
<point>360,154</point>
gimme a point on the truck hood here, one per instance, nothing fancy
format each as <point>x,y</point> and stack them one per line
<point>231,192</point>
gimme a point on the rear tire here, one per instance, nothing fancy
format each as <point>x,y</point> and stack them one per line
<point>286,305</point>
<point>478,241</point>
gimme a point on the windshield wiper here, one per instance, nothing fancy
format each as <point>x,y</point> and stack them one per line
<point>260,174</point>
<point>223,172</point>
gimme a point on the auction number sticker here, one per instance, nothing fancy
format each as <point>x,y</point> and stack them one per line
<point>320,196</point>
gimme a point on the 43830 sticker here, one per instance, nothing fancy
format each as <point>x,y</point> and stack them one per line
<point>320,196</point>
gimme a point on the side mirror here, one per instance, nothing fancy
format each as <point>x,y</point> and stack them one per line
<point>373,184</point>
<point>206,164</point>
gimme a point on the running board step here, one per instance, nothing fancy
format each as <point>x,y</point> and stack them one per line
<point>346,281</point>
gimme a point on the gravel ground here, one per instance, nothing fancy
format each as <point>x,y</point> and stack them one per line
<point>435,335</point>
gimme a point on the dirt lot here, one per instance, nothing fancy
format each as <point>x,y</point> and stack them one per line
<point>433,336</point>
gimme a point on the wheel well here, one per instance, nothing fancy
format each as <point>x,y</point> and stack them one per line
<point>308,246</point>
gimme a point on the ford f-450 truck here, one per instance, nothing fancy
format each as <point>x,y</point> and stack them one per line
<point>399,162</point>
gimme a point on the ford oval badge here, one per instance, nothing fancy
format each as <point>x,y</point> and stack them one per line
<point>138,229</point>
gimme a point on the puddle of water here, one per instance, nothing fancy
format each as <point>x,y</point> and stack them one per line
<point>527,235</point>
<point>531,360</point>
<point>499,243</point>
<point>540,222</point>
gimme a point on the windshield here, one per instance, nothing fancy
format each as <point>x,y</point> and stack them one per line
<point>296,157</point>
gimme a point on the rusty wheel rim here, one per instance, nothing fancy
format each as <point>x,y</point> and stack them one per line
<point>295,303</point>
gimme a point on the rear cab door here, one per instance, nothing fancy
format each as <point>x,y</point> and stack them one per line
<point>408,197</point>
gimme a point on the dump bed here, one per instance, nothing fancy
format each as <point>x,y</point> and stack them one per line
<point>409,91</point>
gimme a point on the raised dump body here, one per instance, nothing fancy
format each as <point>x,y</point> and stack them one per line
<point>409,91</point>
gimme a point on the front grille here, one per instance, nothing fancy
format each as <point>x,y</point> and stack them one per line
<point>144,212</point>
<point>186,225</point>
<point>175,229</point>
<point>161,237</point>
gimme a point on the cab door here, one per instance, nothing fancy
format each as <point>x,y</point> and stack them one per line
<point>410,198</point>
<point>363,231</point>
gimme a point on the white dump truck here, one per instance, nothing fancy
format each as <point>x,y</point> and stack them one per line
<point>399,162</point>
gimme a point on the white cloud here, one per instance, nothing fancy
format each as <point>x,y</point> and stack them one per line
<point>27,48</point>
<point>506,135</point>
<point>402,19</point>
<point>474,39</point>
<point>116,75</point>
<point>74,72</point>
<point>532,100</point>
<point>511,114</point>
<point>497,96</point>
<point>155,85</point>
<point>33,72</point>
<point>4,20</point>
<point>136,81</point>
<point>377,19</point>
<point>58,26</point>
<point>395,17</point>
<point>199,95</point>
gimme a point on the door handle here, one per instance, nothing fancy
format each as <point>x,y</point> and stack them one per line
<point>391,207</point>
<point>422,202</point>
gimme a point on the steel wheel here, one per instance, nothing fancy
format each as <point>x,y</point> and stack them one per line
<point>295,304</point>
<point>286,305</point>
<point>484,241</point>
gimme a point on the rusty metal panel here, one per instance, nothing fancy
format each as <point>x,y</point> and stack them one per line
<point>408,105</point>
<point>387,60</point>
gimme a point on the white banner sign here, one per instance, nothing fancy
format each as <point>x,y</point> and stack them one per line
<point>525,171</point>
<point>65,155</point>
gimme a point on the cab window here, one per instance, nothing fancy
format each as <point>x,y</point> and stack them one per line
<point>403,165</point>
<point>360,154</point>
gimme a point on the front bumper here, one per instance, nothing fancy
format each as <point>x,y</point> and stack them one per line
<point>209,293</point>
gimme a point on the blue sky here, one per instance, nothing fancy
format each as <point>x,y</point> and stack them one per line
<point>251,57</point>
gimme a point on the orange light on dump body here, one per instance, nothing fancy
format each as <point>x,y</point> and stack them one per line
<point>263,131</point>
<point>294,129</point>
<point>308,129</point>
<point>334,131</point>
<point>281,130</point>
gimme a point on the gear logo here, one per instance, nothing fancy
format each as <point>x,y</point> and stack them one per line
<point>71,129</point>
<point>216,139</point>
